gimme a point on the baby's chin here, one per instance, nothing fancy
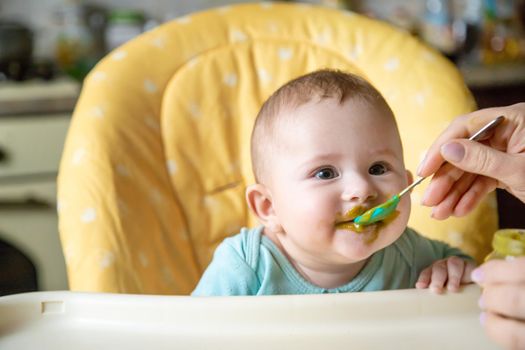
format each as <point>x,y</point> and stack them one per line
<point>359,246</point>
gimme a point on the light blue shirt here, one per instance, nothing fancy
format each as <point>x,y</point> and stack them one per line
<point>249,263</point>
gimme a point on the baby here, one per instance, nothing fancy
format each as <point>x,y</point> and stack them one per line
<point>325,148</point>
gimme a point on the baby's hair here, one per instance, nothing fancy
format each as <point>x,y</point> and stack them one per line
<point>318,85</point>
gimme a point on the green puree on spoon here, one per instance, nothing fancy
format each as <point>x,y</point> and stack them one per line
<point>384,210</point>
<point>378,213</point>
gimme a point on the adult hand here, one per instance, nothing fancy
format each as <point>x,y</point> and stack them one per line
<point>503,301</point>
<point>475,168</point>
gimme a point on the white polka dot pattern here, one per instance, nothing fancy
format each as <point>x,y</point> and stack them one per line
<point>184,20</point>
<point>78,156</point>
<point>119,55</point>
<point>97,112</point>
<point>392,64</point>
<point>239,36</point>
<point>195,110</point>
<point>285,54</point>
<point>89,215</point>
<point>98,76</point>
<point>144,261</point>
<point>172,166</point>
<point>230,79</point>
<point>224,9</point>
<point>106,259</point>
<point>264,76</point>
<point>150,86</point>
<point>122,170</point>
<point>455,237</point>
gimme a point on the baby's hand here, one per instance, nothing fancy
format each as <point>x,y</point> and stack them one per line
<point>451,272</point>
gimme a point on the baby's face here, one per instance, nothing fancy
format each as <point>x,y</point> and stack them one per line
<point>331,158</point>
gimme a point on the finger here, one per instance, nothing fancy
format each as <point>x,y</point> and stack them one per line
<point>469,267</point>
<point>424,278</point>
<point>439,276</point>
<point>441,184</point>
<point>455,268</point>
<point>433,158</point>
<point>500,271</point>
<point>504,299</point>
<point>506,332</point>
<point>462,127</point>
<point>474,157</point>
<point>446,208</point>
<point>481,186</point>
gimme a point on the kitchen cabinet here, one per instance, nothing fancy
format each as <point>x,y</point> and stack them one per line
<point>33,127</point>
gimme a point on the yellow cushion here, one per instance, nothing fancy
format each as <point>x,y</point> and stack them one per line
<point>157,157</point>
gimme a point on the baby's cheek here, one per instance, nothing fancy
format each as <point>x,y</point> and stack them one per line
<point>311,212</point>
<point>316,208</point>
<point>404,207</point>
<point>316,224</point>
<point>393,229</point>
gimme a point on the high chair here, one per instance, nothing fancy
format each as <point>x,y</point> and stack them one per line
<point>156,160</point>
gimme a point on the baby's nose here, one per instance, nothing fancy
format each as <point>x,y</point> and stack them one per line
<point>359,190</point>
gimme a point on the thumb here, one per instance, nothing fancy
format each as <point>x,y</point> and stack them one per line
<point>474,157</point>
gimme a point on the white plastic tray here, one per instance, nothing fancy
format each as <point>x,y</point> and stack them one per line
<point>405,319</point>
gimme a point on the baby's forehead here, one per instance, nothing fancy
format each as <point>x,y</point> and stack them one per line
<point>352,111</point>
<point>377,129</point>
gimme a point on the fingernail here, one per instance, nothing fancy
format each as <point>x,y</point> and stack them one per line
<point>483,318</point>
<point>453,151</point>
<point>481,303</point>
<point>477,275</point>
<point>418,171</point>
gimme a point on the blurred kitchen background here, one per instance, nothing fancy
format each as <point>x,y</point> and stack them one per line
<point>48,46</point>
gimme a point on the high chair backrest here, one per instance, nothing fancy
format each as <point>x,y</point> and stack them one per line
<point>157,157</point>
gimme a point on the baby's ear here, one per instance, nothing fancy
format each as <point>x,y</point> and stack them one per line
<point>259,200</point>
<point>410,177</point>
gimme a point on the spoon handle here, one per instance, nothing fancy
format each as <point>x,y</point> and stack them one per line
<point>477,136</point>
<point>411,186</point>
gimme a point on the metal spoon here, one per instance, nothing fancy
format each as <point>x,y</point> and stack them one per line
<point>383,210</point>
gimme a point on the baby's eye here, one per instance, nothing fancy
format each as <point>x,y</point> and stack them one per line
<point>326,173</point>
<point>378,169</point>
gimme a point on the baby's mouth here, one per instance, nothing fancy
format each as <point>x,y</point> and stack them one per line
<point>349,216</point>
<point>345,221</point>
